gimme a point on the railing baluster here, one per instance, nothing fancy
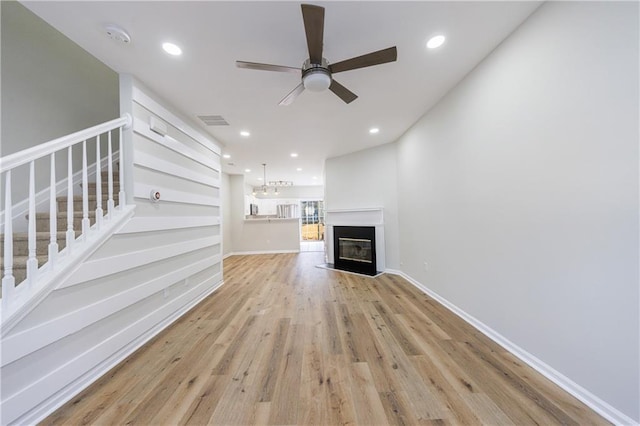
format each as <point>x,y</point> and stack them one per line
<point>8,280</point>
<point>121,200</point>
<point>70,234</point>
<point>86,224</point>
<point>99,211</point>
<point>32,260</point>
<point>53,215</point>
<point>110,203</point>
<point>30,156</point>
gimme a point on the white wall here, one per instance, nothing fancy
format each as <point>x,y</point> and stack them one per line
<point>520,191</point>
<point>50,88</point>
<point>367,179</point>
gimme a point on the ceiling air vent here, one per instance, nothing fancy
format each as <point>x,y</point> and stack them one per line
<point>213,120</point>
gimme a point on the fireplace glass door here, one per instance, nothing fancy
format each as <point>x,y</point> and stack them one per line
<point>355,249</point>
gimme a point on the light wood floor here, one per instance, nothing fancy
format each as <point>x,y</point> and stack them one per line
<point>284,342</point>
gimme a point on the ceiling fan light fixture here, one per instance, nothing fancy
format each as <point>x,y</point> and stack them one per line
<point>317,80</point>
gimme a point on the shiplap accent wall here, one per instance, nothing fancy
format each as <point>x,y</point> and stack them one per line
<point>163,261</point>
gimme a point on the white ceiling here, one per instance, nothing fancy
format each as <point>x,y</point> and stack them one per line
<point>317,126</point>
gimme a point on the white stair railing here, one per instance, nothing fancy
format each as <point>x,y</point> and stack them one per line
<point>10,292</point>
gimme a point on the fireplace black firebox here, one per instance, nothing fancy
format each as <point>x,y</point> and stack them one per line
<point>354,249</point>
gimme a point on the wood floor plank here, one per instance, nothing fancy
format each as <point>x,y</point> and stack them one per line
<point>341,410</point>
<point>284,405</point>
<point>423,402</point>
<point>366,400</point>
<point>286,343</point>
<point>312,401</point>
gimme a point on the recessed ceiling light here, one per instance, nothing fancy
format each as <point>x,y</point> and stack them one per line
<point>172,49</point>
<point>374,130</point>
<point>299,169</point>
<point>315,177</point>
<point>226,156</point>
<point>259,178</point>
<point>247,170</point>
<point>294,155</point>
<point>435,41</point>
<point>245,133</point>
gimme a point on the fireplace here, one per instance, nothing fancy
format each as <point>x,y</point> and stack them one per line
<point>355,249</point>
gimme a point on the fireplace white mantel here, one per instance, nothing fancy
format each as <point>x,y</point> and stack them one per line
<point>356,217</point>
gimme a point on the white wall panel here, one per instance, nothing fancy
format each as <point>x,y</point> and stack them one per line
<point>89,292</point>
<point>149,161</point>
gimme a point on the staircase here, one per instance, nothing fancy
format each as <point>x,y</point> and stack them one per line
<point>43,235</point>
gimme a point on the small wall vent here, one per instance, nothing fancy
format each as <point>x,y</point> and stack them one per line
<point>213,120</point>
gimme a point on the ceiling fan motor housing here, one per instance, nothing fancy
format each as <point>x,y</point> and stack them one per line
<point>316,77</point>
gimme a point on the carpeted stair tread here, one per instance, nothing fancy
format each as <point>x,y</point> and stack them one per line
<point>43,238</point>
<point>20,262</point>
<point>90,197</point>
<point>63,214</point>
<point>40,235</point>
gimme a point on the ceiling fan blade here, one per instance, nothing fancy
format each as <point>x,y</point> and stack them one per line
<point>374,58</point>
<point>313,17</point>
<point>343,93</point>
<point>288,100</point>
<point>266,67</point>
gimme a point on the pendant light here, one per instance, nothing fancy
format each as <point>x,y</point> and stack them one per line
<point>264,182</point>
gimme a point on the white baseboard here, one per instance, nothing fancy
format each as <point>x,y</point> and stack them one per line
<point>47,407</point>
<point>249,253</point>
<point>592,401</point>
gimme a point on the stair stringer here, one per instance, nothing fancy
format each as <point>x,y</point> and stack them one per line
<point>28,296</point>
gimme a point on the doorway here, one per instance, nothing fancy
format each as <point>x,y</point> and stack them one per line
<point>312,225</point>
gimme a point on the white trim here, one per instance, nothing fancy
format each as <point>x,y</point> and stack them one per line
<point>355,217</point>
<point>152,162</point>
<point>142,190</point>
<point>93,269</point>
<point>162,223</point>
<point>32,339</point>
<point>146,101</point>
<point>11,161</point>
<point>142,128</point>
<point>128,339</point>
<point>251,253</point>
<point>592,401</point>
<point>27,298</point>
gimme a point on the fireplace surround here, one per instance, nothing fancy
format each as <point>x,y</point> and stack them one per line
<point>369,218</point>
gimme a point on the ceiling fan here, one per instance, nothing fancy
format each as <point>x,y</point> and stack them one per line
<point>316,72</point>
